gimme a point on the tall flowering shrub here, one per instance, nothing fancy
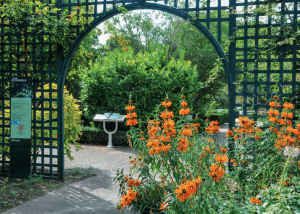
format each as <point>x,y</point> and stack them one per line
<point>176,170</point>
<point>164,166</point>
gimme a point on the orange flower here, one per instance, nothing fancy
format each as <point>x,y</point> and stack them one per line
<point>164,206</point>
<point>290,115</point>
<point>130,107</point>
<point>214,123</point>
<point>77,8</point>
<point>151,152</point>
<point>258,137</point>
<point>272,119</point>
<point>186,132</point>
<point>166,104</point>
<point>187,188</point>
<point>237,137</point>
<point>142,138</point>
<point>274,105</point>
<point>185,111</point>
<point>131,115</point>
<point>129,101</point>
<point>207,149</point>
<point>272,112</point>
<point>133,182</point>
<point>127,199</point>
<point>276,98</point>
<point>166,114</point>
<point>221,158</point>
<point>183,96</point>
<point>255,200</point>
<point>217,172</point>
<point>132,122</point>
<point>213,128</point>
<point>223,150</point>
<point>288,105</point>
<point>184,104</point>
<point>229,133</point>
<point>165,138</point>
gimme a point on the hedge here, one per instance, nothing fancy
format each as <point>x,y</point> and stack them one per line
<point>98,136</point>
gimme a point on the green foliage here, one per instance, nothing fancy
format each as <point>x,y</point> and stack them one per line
<point>221,117</point>
<point>72,120</point>
<point>147,77</point>
<point>49,23</point>
<point>98,136</point>
<point>182,39</point>
<point>265,178</point>
<point>72,123</point>
<point>90,49</point>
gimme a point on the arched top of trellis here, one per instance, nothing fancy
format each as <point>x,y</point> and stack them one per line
<point>141,5</point>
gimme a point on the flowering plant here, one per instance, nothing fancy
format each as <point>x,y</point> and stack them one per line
<point>177,170</point>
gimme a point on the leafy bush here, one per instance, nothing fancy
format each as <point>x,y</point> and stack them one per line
<point>90,135</point>
<point>146,76</point>
<point>72,120</point>
<point>175,170</point>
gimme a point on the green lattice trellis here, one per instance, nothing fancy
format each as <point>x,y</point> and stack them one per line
<point>249,86</point>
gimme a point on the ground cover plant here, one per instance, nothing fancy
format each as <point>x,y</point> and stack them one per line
<point>19,191</point>
<point>178,171</point>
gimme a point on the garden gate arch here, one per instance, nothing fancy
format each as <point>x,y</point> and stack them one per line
<point>245,27</point>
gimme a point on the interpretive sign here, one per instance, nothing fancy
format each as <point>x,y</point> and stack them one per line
<point>20,127</point>
<point>20,123</point>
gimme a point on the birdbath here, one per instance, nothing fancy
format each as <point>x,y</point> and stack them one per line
<point>110,117</point>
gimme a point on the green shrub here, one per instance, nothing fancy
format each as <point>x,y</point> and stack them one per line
<point>146,76</point>
<point>90,135</point>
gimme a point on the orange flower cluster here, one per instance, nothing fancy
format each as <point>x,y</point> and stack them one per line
<point>245,122</point>
<point>156,141</point>
<point>155,146</point>
<point>167,114</point>
<point>127,199</point>
<point>255,200</point>
<point>274,104</point>
<point>217,172</point>
<point>164,206</point>
<point>221,158</point>
<point>223,150</point>
<point>166,104</point>
<point>229,133</point>
<point>288,106</point>
<point>131,121</point>
<point>169,128</point>
<point>185,110</point>
<point>183,144</point>
<point>213,127</point>
<point>133,182</point>
<point>188,188</point>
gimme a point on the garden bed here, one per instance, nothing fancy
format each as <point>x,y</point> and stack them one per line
<point>19,191</point>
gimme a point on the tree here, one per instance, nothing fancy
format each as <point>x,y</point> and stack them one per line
<point>181,37</point>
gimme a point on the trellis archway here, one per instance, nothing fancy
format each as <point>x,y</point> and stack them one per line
<point>244,30</point>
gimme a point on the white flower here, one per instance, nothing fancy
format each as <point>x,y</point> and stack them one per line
<point>289,149</point>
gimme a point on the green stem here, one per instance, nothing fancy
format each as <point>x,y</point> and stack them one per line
<point>286,166</point>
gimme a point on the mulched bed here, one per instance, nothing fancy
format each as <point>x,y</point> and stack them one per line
<point>20,191</point>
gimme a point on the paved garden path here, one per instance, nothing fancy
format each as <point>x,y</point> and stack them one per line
<point>97,194</point>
